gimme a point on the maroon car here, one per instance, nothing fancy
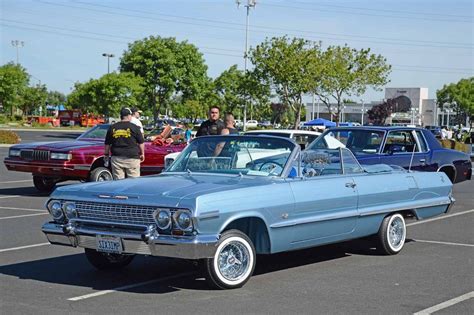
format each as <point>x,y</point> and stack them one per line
<point>79,159</point>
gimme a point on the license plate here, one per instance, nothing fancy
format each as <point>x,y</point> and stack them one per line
<point>109,244</point>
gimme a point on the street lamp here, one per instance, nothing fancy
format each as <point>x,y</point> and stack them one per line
<point>18,44</point>
<point>250,4</point>
<point>363,112</point>
<point>108,60</point>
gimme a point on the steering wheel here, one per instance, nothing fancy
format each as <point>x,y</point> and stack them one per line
<point>272,168</point>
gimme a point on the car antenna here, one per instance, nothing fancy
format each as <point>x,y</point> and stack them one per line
<point>411,159</point>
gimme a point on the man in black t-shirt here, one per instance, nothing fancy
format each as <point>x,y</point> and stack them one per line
<point>211,127</point>
<point>125,141</point>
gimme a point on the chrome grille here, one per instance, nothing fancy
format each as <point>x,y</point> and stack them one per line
<point>34,155</point>
<point>126,214</point>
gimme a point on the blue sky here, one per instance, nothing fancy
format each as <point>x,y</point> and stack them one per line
<point>428,42</point>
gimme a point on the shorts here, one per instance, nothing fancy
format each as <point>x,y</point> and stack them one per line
<point>122,166</point>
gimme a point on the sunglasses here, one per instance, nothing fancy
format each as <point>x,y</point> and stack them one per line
<point>214,112</point>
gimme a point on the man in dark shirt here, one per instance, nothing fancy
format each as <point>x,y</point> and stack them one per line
<point>213,126</point>
<point>125,141</point>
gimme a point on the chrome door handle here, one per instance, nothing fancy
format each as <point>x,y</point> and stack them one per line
<point>422,161</point>
<point>350,185</point>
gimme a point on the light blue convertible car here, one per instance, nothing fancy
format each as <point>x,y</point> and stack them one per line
<point>227,198</point>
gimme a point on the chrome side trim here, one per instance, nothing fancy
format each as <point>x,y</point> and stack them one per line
<point>316,218</point>
<point>364,212</point>
<point>208,215</point>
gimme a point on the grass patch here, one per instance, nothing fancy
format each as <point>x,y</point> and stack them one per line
<point>9,137</point>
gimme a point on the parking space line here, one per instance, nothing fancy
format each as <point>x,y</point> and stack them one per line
<point>444,243</point>
<point>17,196</point>
<point>16,181</point>
<point>446,304</point>
<point>126,287</point>
<point>22,247</point>
<point>441,218</point>
<point>23,209</point>
<point>23,215</point>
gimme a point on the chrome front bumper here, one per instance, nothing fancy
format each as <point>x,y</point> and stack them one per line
<point>187,247</point>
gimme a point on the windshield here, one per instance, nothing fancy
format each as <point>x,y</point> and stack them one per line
<point>98,132</point>
<point>359,141</point>
<point>246,155</point>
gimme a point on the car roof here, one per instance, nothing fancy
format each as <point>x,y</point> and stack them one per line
<point>287,131</point>
<point>384,128</point>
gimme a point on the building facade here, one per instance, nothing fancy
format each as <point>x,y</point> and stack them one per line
<point>413,107</point>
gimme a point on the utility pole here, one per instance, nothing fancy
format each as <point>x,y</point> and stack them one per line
<point>250,4</point>
<point>18,44</point>
<point>363,111</point>
<point>108,60</point>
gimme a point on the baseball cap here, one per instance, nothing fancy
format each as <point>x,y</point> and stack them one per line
<point>125,111</point>
<point>136,110</point>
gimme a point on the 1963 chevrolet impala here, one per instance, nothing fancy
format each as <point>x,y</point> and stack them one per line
<point>228,198</point>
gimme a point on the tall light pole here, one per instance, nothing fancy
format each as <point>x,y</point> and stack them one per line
<point>250,4</point>
<point>108,60</point>
<point>18,44</point>
<point>363,112</point>
<point>447,122</point>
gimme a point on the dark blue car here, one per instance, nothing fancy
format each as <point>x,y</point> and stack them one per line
<point>404,146</point>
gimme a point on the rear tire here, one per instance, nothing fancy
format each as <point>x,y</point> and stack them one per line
<point>103,261</point>
<point>392,234</point>
<point>44,184</point>
<point>100,174</point>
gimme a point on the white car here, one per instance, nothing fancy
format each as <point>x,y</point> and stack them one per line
<point>252,124</point>
<point>302,137</point>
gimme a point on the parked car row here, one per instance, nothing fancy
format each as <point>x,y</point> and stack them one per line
<point>82,159</point>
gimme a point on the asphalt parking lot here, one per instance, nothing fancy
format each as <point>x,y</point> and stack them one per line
<point>434,272</point>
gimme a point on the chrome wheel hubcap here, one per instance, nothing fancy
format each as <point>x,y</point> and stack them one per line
<point>233,261</point>
<point>396,233</point>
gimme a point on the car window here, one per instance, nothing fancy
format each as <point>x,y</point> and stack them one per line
<point>359,141</point>
<point>321,162</point>
<point>304,139</point>
<point>98,132</point>
<point>421,140</point>
<point>399,141</point>
<point>349,162</point>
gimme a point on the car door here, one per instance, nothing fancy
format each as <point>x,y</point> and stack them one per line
<point>325,206</point>
<point>403,148</point>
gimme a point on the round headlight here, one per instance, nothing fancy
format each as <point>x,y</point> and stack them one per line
<point>163,219</point>
<point>183,220</point>
<point>55,209</point>
<point>70,209</point>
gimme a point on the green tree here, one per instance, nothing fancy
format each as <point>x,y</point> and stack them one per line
<point>236,89</point>
<point>33,99</point>
<point>459,96</point>
<point>290,67</point>
<point>55,98</point>
<point>167,67</point>
<point>107,94</point>
<point>349,72</point>
<point>190,109</point>
<point>13,83</point>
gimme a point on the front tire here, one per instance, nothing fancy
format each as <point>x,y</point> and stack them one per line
<point>44,184</point>
<point>104,261</point>
<point>233,263</point>
<point>392,234</point>
<point>100,174</point>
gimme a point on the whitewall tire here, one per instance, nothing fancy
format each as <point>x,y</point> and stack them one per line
<point>233,263</point>
<point>392,234</point>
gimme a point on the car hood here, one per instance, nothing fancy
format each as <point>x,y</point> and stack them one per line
<point>163,190</point>
<point>58,145</point>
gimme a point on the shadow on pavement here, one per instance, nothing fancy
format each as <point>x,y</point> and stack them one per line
<point>74,269</point>
<point>22,191</point>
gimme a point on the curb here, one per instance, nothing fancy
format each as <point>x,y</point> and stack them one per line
<point>43,130</point>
